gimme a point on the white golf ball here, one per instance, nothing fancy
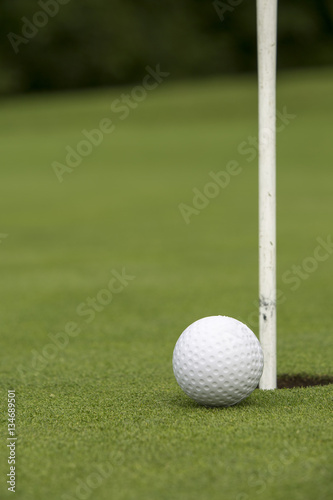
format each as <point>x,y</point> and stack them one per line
<point>218,361</point>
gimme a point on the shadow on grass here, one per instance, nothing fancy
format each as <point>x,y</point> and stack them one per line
<point>286,381</point>
<point>185,403</point>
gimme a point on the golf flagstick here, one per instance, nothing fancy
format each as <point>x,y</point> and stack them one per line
<point>267,40</point>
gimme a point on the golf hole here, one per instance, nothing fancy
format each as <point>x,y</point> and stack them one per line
<point>286,381</point>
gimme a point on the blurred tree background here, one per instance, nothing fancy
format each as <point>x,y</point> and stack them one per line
<point>63,44</point>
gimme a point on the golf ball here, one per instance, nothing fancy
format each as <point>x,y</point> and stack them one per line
<point>218,361</point>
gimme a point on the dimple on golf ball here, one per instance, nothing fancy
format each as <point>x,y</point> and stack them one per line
<point>218,361</point>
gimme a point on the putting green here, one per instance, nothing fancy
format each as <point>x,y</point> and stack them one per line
<point>100,273</point>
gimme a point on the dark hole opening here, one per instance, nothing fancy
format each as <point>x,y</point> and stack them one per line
<point>286,381</point>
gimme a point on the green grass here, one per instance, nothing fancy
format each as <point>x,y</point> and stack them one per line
<point>110,396</point>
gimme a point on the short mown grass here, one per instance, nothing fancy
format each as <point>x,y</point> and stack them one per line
<point>101,416</point>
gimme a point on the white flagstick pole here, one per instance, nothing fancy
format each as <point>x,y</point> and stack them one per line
<point>267,39</point>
